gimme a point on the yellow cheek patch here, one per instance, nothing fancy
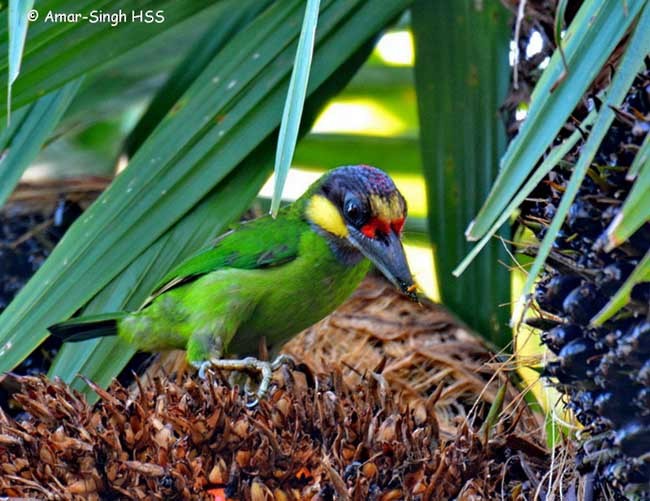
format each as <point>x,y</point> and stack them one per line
<point>387,209</point>
<point>324,213</point>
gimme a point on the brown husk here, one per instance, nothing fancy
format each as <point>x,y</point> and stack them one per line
<point>388,404</point>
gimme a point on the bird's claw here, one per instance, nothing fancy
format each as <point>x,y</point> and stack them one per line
<point>250,364</point>
<point>281,360</point>
<point>202,367</point>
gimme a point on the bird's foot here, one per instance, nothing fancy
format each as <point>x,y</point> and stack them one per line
<point>202,367</point>
<point>250,365</point>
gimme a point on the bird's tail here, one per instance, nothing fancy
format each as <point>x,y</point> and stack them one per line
<point>88,327</point>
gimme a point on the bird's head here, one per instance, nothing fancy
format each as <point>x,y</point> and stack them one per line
<point>359,209</point>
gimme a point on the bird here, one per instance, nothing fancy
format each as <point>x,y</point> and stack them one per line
<point>269,278</point>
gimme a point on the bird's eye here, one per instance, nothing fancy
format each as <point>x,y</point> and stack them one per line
<point>354,211</point>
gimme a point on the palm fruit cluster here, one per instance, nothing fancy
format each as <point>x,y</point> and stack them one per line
<point>603,372</point>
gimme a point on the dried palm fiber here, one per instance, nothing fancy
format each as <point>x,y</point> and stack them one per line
<point>341,433</point>
<point>421,347</point>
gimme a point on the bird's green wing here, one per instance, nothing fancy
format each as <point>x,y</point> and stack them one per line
<point>261,243</point>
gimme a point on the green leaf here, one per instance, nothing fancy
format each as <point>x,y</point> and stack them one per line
<point>551,160</point>
<point>634,213</point>
<point>18,13</point>
<point>560,12</point>
<point>594,33</point>
<point>115,90</point>
<point>460,87</point>
<point>230,109</point>
<point>494,412</point>
<point>22,141</point>
<point>630,64</point>
<point>642,158</point>
<point>57,52</point>
<point>295,102</point>
<point>399,155</point>
<point>18,22</point>
<point>233,15</point>
<point>640,274</point>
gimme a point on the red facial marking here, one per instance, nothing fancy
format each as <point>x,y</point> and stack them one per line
<point>397,225</point>
<point>375,224</point>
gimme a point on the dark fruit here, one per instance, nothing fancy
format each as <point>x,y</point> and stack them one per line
<point>604,371</point>
<point>583,303</point>
<point>551,296</point>
<point>559,336</point>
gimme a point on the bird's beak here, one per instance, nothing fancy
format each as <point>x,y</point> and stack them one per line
<point>387,254</point>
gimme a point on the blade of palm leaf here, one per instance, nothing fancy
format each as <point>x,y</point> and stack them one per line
<point>399,155</point>
<point>642,157</point>
<point>132,79</point>
<point>640,274</point>
<point>295,101</point>
<point>462,140</point>
<point>40,33</point>
<point>631,62</point>
<point>554,156</point>
<point>594,33</point>
<point>84,46</point>
<point>8,130</point>
<point>634,213</point>
<point>559,23</point>
<point>27,139</point>
<point>18,12</point>
<point>227,24</point>
<point>359,26</point>
<point>76,358</point>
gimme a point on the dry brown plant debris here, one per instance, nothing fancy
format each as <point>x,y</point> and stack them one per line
<point>336,431</point>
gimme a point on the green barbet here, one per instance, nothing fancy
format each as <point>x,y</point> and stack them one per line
<point>269,277</point>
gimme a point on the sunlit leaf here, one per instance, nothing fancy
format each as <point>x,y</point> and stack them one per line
<point>295,101</point>
<point>399,155</point>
